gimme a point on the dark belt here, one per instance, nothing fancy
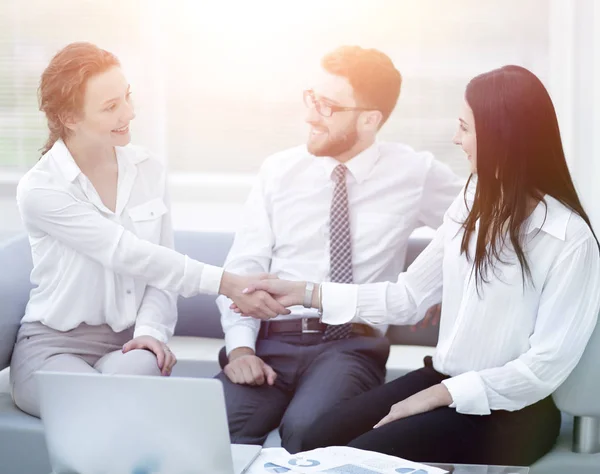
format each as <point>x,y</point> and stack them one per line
<point>301,326</point>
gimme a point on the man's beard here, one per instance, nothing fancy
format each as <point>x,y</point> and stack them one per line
<point>337,145</point>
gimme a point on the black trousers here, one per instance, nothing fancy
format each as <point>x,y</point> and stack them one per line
<point>517,438</point>
<point>312,376</point>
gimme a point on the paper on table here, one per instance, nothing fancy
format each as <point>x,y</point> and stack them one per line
<point>263,465</point>
<point>335,460</point>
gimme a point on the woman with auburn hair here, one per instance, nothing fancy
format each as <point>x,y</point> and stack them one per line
<point>516,266</point>
<point>97,214</point>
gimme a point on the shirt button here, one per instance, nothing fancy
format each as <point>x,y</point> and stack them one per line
<point>152,213</point>
<point>128,292</point>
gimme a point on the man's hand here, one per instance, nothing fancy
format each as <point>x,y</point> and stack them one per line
<point>421,402</point>
<point>432,317</point>
<point>287,293</point>
<point>246,368</point>
<point>165,358</point>
<point>258,304</point>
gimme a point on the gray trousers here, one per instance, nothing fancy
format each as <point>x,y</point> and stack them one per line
<point>91,349</point>
<point>312,377</point>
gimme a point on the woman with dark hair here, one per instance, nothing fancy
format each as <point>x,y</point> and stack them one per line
<point>98,218</point>
<point>516,266</point>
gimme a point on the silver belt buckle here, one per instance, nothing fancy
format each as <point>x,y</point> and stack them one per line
<point>305,329</point>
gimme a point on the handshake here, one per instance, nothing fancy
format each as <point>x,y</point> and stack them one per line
<point>264,296</point>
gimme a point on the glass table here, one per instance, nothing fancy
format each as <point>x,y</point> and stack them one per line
<point>479,469</point>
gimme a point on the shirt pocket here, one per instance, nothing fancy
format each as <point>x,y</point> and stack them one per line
<point>147,219</point>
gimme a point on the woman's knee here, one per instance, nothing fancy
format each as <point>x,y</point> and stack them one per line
<point>140,362</point>
<point>366,441</point>
<point>134,362</point>
<point>25,397</point>
<point>395,439</point>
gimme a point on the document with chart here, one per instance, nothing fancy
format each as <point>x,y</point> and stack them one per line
<point>335,460</point>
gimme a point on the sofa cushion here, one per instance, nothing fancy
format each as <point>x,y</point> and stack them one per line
<point>14,419</point>
<point>22,442</point>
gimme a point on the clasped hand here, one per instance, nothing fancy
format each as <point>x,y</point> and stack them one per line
<point>262,296</point>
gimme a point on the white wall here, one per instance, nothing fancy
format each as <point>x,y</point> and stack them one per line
<point>575,89</point>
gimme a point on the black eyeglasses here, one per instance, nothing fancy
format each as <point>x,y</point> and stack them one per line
<point>323,107</point>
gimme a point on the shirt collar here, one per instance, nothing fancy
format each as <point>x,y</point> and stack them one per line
<point>69,169</point>
<point>131,153</point>
<point>359,166</point>
<point>552,218</point>
<point>64,160</point>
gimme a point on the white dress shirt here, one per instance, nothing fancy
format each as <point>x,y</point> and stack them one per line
<point>512,345</point>
<point>95,266</point>
<point>285,224</point>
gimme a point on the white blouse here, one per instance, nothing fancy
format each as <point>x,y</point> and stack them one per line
<point>95,266</point>
<point>511,345</point>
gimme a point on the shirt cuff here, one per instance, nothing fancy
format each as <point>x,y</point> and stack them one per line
<point>372,303</point>
<point>150,331</point>
<point>339,302</point>
<point>240,336</point>
<point>468,394</point>
<point>210,281</point>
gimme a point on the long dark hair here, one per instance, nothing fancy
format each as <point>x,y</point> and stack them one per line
<point>520,158</point>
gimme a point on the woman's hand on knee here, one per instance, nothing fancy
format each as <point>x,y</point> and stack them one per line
<point>164,357</point>
<point>426,400</point>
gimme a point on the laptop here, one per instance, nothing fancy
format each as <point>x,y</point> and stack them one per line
<point>97,423</point>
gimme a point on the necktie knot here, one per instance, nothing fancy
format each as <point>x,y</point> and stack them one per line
<point>339,173</point>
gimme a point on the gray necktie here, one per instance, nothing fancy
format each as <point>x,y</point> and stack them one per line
<point>340,251</point>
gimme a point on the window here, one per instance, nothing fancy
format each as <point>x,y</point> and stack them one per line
<point>218,85</point>
<point>31,32</point>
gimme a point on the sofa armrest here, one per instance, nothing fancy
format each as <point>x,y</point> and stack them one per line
<point>15,285</point>
<point>578,396</point>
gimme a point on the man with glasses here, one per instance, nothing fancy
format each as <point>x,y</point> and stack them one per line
<point>339,209</point>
